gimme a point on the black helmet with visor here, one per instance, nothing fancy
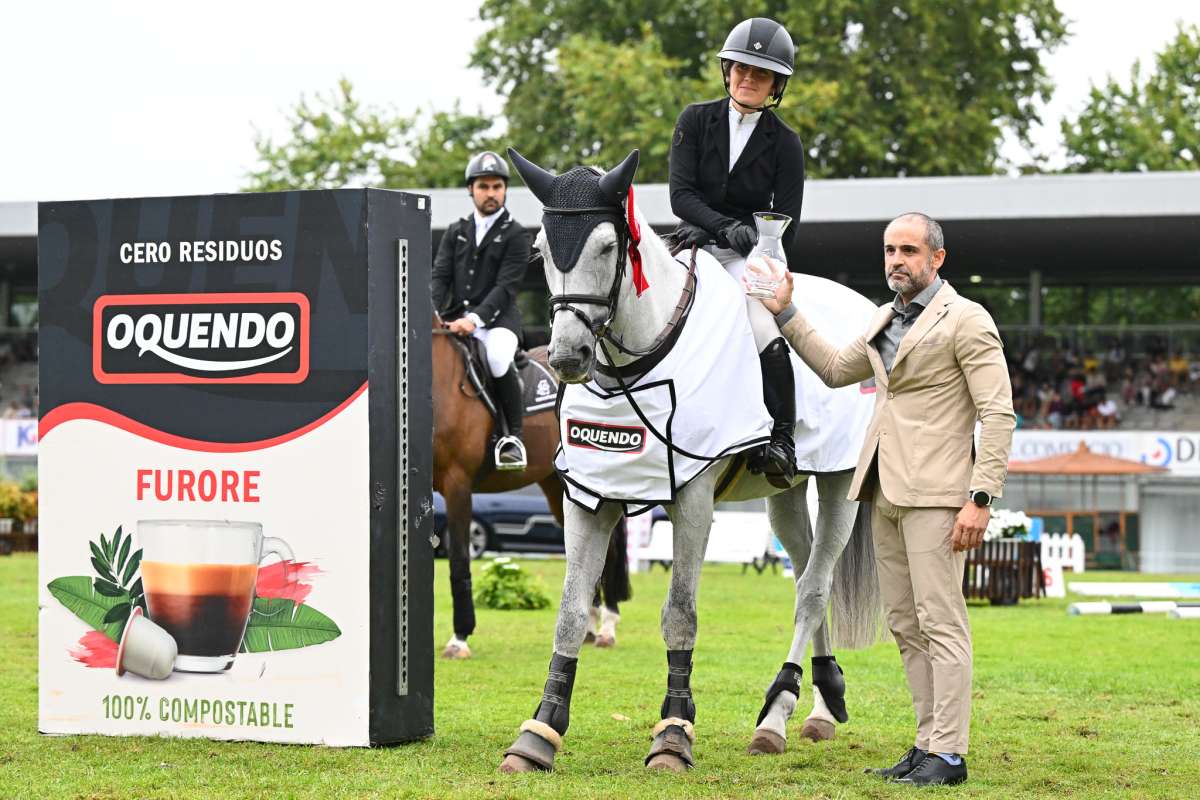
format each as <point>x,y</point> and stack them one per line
<point>764,43</point>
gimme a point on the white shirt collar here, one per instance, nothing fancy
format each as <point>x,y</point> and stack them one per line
<point>483,224</point>
<point>738,118</point>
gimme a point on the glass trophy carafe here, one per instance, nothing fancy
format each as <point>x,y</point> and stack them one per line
<point>767,263</point>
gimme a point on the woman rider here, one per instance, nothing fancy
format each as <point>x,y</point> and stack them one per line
<point>730,158</point>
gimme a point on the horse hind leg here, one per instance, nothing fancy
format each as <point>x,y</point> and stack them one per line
<point>457,494</point>
<point>614,581</point>
<point>829,691</point>
<point>540,737</point>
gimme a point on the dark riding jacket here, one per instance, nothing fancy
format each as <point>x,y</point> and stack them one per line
<point>768,175</point>
<point>486,277</point>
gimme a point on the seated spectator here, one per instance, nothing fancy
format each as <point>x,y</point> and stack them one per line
<point>1108,414</point>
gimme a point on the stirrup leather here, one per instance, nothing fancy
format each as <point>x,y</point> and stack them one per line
<point>510,464</point>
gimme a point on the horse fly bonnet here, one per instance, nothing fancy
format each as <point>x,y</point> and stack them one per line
<point>576,202</point>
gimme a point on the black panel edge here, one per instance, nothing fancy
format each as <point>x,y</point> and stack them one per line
<point>391,216</point>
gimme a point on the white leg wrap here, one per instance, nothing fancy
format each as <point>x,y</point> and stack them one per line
<point>782,708</point>
<point>593,619</point>
<point>683,723</point>
<point>543,730</point>
<point>820,710</point>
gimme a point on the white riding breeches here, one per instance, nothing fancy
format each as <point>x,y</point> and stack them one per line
<point>501,346</point>
<point>762,321</point>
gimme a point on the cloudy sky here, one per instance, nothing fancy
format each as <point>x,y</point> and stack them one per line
<point>108,99</point>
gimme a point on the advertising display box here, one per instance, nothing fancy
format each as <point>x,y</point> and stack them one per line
<point>234,467</point>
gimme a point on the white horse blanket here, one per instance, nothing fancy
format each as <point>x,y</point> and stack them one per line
<point>705,398</point>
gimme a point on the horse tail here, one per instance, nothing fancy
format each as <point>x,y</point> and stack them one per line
<point>856,608</point>
<point>614,580</point>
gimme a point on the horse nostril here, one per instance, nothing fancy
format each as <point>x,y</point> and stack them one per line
<point>585,354</point>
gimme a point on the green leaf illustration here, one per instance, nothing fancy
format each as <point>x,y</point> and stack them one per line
<point>136,590</point>
<point>118,613</point>
<point>81,599</point>
<point>106,548</point>
<point>124,554</point>
<point>97,553</point>
<point>103,571</point>
<point>279,624</point>
<point>108,589</point>
<point>131,568</point>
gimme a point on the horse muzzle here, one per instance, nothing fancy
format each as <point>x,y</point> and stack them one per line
<point>573,366</point>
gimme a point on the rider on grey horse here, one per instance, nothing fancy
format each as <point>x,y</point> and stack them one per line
<point>731,158</point>
<point>476,275</point>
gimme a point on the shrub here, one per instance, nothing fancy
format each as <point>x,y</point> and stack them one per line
<point>502,584</point>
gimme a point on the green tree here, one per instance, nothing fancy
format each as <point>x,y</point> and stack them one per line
<point>1151,124</point>
<point>915,88</point>
<point>335,141</point>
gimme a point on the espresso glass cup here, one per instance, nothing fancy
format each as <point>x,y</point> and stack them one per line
<point>199,577</point>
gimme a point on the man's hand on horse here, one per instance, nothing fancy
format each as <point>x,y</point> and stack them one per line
<point>463,327</point>
<point>783,292</point>
<point>969,526</point>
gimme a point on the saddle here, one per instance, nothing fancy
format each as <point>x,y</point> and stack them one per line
<point>537,380</point>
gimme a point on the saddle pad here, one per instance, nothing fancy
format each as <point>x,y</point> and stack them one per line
<point>541,387</point>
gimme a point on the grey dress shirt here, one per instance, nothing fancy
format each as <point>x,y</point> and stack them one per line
<point>888,340</point>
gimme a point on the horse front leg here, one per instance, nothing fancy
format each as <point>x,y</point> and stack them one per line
<point>814,560</point>
<point>586,538</point>
<point>691,520</point>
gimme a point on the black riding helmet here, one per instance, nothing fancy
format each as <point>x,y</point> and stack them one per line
<point>760,42</point>
<point>486,163</point>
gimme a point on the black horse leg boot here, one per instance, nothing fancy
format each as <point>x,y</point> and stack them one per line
<point>510,451</point>
<point>779,394</point>
<point>673,735</point>
<point>827,677</point>
<point>541,737</point>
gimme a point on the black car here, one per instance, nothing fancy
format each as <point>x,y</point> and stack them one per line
<point>509,521</point>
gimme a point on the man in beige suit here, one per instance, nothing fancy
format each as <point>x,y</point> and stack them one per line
<point>938,367</point>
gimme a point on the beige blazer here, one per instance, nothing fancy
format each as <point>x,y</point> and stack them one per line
<point>949,372</point>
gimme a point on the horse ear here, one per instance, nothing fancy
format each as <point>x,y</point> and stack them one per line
<point>615,184</point>
<point>537,179</point>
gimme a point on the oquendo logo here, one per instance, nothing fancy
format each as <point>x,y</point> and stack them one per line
<point>609,438</point>
<point>201,338</point>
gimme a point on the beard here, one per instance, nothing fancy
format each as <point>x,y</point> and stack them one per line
<point>906,283</point>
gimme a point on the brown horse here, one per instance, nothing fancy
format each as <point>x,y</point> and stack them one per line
<point>462,464</point>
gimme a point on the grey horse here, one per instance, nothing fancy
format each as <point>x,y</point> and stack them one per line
<point>585,242</point>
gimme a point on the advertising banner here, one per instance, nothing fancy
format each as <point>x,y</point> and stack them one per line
<point>20,436</point>
<point>234,467</point>
<point>1178,451</point>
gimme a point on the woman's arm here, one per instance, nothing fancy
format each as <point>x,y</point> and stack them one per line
<point>687,198</point>
<point>789,182</point>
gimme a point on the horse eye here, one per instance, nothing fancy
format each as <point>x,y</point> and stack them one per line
<point>608,248</point>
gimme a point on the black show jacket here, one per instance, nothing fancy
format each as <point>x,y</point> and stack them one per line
<point>484,278</point>
<point>768,175</point>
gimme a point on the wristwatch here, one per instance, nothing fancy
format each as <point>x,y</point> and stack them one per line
<point>981,498</point>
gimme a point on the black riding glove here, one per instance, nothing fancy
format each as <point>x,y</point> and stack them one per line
<point>739,237</point>
<point>688,236</point>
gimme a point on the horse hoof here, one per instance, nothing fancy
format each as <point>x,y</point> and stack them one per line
<point>456,652</point>
<point>767,743</point>
<point>606,640</point>
<point>667,762</point>
<point>818,730</point>
<point>514,763</point>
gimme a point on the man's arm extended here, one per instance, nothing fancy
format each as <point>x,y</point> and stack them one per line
<point>836,367</point>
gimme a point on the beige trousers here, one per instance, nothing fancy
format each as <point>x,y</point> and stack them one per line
<point>920,578</point>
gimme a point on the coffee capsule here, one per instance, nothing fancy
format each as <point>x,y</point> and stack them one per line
<point>145,649</point>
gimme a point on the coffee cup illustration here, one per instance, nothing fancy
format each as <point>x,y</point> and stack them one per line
<point>199,578</point>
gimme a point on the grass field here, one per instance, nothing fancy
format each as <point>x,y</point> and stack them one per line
<point>1064,707</point>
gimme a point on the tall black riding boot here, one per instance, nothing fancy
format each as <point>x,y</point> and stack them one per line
<point>779,394</point>
<point>510,451</point>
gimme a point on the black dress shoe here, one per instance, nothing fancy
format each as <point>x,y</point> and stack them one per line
<point>902,767</point>
<point>934,771</point>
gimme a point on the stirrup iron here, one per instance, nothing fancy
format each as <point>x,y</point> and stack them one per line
<point>510,464</point>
